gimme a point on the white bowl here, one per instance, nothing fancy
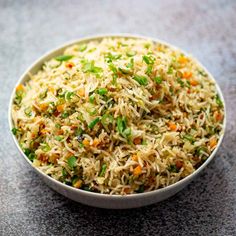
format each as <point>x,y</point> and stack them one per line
<point>104,200</point>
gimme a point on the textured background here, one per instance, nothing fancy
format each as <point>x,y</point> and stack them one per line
<point>205,28</point>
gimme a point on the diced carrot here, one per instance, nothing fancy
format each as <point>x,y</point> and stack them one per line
<point>78,183</point>
<point>86,142</point>
<point>172,126</point>
<point>60,108</point>
<point>137,170</point>
<point>96,142</point>
<point>193,82</point>
<point>70,65</point>
<point>187,75</point>
<point>43,106</point>
<point>218,116</point>
<point>188,91</point>
<point>134,157</point>
<point>81,92</point>
<point>137,141</point>
<point>19,87</point>
<point>183,60</point>
<point>179,164</point>
<point>213,142</point>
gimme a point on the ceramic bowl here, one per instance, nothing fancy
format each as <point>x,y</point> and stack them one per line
<point>104,200</point>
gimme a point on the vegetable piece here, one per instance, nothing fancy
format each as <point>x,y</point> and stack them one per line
<point>82,47</point>
<point>189,138</point>
<point>70,65</point>
<point>102,91</point>
<point>114,70</point>
<point>193,82</point>
<point>158,79</point>
<point>89,66</point>
<point>86,143</point>
<point>213,142</point>
<point>173,168</point>
<point>103,170</point>
<point>81,92</point>
<point>124,71</point>
<point>64,115</point>
<point>30,154</point>
<point>69,95</point>
<point>183,60</point>
<point>64,172</point>
<point>43,106</point>
<point>218,116</point>
<point>142,80</point>
<point>172,126</point>
<point>121,124</point>
<point>94,122</point>
<point>140,189</point>
<point>130,65</point>
<point>110,57</point>
<point>78,183</point>
<point>218,101</point>
<point>91,98</point>
<point>14,131</point>
<point>130,54</point>
<point>72,162</point>
<point>59,138</point>
<point>63,57</point>
<point>170,70</point>
<point>187,75</point>
<point>60,108</point>
<point>28,111</point>
<point>106,120</point>
<point>137,170</point>
<point>19,87</point>
<point>181,82</point>
<point>201,150</point>
<point>134,157</point>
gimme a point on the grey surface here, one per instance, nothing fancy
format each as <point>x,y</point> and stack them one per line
<point>204,28</point>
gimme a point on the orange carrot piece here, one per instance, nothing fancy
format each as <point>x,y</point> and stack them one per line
<point>134,157</point>
<point>172,126</point>
<point>187,75</point>
<point>43,106</point>
<point>86,142</point>
<point>213,142</point>
<point>193,82</point>
<point>19,87</point>
<point>78,183</point>
<point>218,116</point>
<point>70,65</point>
<point>60,108</point>
<point>137,170</point>
<point>183,60</point>
<point>81,92</point>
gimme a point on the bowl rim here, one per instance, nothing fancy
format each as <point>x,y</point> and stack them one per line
<point>105,196</point>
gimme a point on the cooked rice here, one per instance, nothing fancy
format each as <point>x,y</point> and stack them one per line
<point>118,116</point>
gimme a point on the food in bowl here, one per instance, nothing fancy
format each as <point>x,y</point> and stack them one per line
<point>118,116</point>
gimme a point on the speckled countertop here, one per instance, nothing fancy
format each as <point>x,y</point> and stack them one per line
<point>205,28</point>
